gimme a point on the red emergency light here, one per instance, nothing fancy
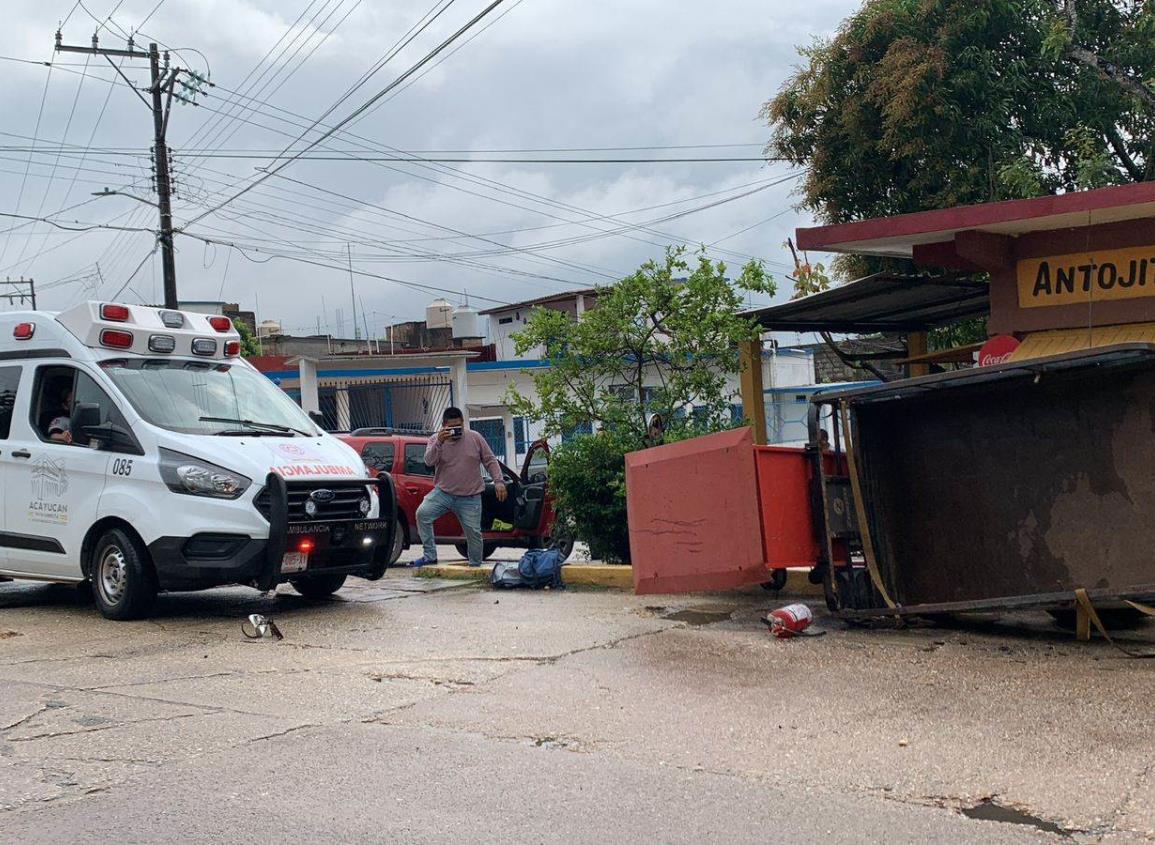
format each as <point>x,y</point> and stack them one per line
<point>115,313</point>
<point>306,545</point>
<point>221,324</point>
<point>24,331</point>
<point>232,348</point>
<point>115,339</point>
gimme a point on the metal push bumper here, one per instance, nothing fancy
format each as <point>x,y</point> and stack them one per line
<point>338,547</point>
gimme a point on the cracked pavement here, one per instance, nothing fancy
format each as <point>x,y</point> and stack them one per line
<point>417,709</point>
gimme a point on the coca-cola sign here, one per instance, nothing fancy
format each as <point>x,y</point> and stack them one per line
<point>997,350</point>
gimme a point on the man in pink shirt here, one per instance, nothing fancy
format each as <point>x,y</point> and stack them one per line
<point>457,456</point>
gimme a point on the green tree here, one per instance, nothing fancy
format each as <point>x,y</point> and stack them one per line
<point>662,340</point>
<point>923,104</point>
<point>250,346</point>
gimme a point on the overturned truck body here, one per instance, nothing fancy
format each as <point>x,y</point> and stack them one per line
<point>1006,486</point>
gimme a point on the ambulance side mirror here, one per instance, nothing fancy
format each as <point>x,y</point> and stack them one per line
<point>86,421</point>
<point>318,418</point>
<point>85,415</point>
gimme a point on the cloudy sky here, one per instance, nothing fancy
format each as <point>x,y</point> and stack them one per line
<point>572,75</point>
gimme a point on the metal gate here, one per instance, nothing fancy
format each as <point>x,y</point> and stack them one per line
<point>414,404</point>
<point>493,430</point>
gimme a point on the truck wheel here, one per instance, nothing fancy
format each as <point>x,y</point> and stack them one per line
<point>123,582</point>
<point>487,549</point>
<point>318,586</point>
<point>398,543</point>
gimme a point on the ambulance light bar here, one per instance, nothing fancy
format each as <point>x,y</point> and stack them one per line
<point>161,343</point>
<point>115,313</point>
<point>144,330</point>
<point>116,339</point>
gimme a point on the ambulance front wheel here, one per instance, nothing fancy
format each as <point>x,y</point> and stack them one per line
<point>123,582</point>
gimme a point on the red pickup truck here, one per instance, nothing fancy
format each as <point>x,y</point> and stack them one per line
<point>524,520</point>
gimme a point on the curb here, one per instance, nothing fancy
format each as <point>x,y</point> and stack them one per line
<point>608,576</point>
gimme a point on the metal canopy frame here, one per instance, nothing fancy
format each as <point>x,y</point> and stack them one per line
<point>884,302</point>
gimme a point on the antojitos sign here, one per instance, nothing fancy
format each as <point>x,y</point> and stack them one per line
<point>1081,277</point>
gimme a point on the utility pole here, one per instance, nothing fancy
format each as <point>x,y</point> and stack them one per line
<point>17,293</point>
<point>160,115</point>
<point>353,293</point>
<point>163,80</point>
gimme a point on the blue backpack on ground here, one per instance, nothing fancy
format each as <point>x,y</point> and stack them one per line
<point>537,569</point>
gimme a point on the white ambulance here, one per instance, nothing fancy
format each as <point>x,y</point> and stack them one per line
<point>139,452</point>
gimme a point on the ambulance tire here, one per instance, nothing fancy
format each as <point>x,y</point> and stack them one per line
<point>123,581</point>
<point>399,542</point>
<point>318,587</point>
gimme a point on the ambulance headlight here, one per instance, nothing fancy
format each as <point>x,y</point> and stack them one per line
<point>194,477</point>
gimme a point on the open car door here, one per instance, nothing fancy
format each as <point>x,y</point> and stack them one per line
<point>532,505</point>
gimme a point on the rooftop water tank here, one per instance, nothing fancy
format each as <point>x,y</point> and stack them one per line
<point>439,315</point>
<point>465,323</point>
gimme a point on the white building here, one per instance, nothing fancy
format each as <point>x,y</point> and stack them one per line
<point>408,391</point>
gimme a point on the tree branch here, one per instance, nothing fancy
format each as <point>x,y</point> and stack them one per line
<point>1105,69</point>
<point>1120,148</point>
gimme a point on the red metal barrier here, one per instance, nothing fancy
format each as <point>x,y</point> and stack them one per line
<point>788,537</point>
<point>716,512</point>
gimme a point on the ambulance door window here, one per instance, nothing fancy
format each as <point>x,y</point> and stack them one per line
<point>9,382</point>
<point>52,403</point>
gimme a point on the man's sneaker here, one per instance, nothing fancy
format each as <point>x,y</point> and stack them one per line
<point>423,561</point>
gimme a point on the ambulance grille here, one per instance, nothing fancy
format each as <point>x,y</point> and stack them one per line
<point>345,503</point>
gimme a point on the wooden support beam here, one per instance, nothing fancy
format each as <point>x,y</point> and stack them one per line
<point>916,347</point>
<point>753,400</point>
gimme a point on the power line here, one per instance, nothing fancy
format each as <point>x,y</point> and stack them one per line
<point>336,128</point>
<point>24,181</point>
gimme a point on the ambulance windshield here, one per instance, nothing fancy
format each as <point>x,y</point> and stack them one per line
<point>202,397</point>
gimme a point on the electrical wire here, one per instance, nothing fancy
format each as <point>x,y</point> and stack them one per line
<point>268,173</point>
<point>24,181</point>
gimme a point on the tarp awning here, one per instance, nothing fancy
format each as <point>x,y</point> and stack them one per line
<point>883,302</point>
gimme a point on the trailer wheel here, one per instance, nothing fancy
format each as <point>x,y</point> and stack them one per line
<point>318,587</point>
<point>123,582</point>
<point>777,581</point>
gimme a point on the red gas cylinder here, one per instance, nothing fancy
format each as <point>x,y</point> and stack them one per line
<point>789,621</point>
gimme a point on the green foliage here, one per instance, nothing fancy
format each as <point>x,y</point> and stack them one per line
<point>588,480</point>
<point>923,104</point>
<point>662,340</point>
<point>250,346</point>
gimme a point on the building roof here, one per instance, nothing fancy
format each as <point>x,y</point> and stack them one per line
<point>883,302</point>
<point>899,235</point>
<point>541,300</point>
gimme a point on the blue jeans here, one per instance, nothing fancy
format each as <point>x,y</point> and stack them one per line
<point>467,509</point>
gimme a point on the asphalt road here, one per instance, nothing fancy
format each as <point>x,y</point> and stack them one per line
<point>415,710</point>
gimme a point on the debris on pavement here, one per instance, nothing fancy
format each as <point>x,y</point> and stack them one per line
<point>258,627</point>
<point>791,621</point>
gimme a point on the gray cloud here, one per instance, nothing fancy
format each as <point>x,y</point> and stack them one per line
<point>551,73</point>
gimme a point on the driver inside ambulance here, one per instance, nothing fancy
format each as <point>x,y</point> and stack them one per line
<point>59,426</point>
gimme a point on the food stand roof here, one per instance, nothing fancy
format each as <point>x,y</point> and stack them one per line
<point>899,235</point>
<point>883,302</point>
